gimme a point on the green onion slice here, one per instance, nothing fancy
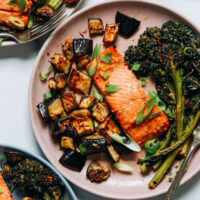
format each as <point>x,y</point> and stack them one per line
<point>123,167</point>
<point>106,75</point>
<point>107,58</point>
<point>95,54</point>
<point>155,115</point>
<point>1,158</point>
<point>130,144</point>
<point>1,190</point>
<point>55,4</point>
<point>1,40</point>
<point>82,148</point>
<point>143,81</point>
<point>47,96</point>
<point>188,50</point>
<point>111,88</point>
<point>12,2</point>
<point>98,96</point>
<point>136,67</point>
<point>22,4</point>
<point>46,75</point>
<point>16,21</point>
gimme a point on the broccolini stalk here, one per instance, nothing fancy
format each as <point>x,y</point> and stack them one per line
<point>188,131</point>
<point>157,165</point>
<point>185,147</point>
<point>177,79</point>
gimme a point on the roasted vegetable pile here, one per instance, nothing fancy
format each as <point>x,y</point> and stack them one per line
<point>31,177</point>
<point>170,56</point>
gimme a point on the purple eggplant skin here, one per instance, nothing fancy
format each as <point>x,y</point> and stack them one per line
<point>73,160</point>
<point>82,47</point>
<point>43,110</point>
<point>127,25</point>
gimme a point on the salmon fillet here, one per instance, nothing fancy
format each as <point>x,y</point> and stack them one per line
<point>4,18</point>
<point>5,5</point>
<point>6,195</point>
<point>129,100</point>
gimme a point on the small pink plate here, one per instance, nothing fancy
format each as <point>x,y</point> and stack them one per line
<point>119,185</point>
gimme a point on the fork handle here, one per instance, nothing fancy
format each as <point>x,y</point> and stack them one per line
<point>171,192</point>
<point>7,35</point>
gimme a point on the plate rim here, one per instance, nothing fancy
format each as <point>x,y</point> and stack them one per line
<point>44,162</point>
<point>33,73</point>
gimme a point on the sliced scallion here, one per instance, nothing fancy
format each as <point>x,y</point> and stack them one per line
<point>22,4</point>
<point>55,4</point>
<point>44,78</point>
<point>1,190</point>
<point>136,67</point>
<point>122,167</point>
<point>107,58</point>
<point>188,50</point>
<point>1,158</point>
<point>111,89</point>
<point>98,96</point>
<point>16,21</point>
<point>1,40</point>
<point>155,115</point>
<point>106,75</point>
<point>130,143</point>
<point>47,96</point>
<point>143,81</point>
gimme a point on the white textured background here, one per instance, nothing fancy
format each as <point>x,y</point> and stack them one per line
<point>16,64</point>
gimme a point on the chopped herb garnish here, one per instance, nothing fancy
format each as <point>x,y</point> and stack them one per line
<point>1,40</point>
<point>82,148</point>
<point>95,55</point>
<point>44,78</point>
<point>140,117</point>
<point>136,67</point>
<point>111,88</point>
<point>106,75</point>
<point>155,115</point>
<point>107,58</point>
<point>143,81</point>
<point>22,4</point>
<point>47,96</point>
<point>98,96</point>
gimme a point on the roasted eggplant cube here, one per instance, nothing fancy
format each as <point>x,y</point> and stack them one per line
<point>79,81</point>
<point>55,109</point>
<point>68,49</point>
<point>61,126</point>
<point>112,127</point>
<point>97,172</point>
<point>69,101</point>
<point>95,26</point>
<point>58,81</point>
<point>67,143</point>
<point>77,114</point>
<point>95,142</point>
<point>83,61</point>
<point>100,112</point>
<point>83,126</point>
<point>44,13</point>
<point>87,102</point>
<point>110,33</point>
<point>112,154</point>
<point>43,110</point>
<point>82,47</point>
<point>60,63</point>
<point>73,160</point>
<point>127,25</point>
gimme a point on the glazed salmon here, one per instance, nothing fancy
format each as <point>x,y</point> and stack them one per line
<point>6,194</point>
<point>4,18</point>
<point>129,100</point>
<point>5,5</point>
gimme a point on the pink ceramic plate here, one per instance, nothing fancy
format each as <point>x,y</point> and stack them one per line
<point>118,186</point>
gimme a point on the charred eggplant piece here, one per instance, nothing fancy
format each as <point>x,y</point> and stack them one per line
<point>60,63</point>
<point>95,26</point>
<point>127,25</point>
<point>111,126</point>
<point>77,114</point>
<point>82,47</point>
<point>112,154</point>
<point>71,3</point>
<point>95,142</point>
<point>73,160</point>
<point>97,172</point>
<point>100,112</point>
<point>121,149</point>
<point>55,109</point>
<point>79,81</point>
<point>43,110</point>
<point>44,13</point>
<point>83,126</point>
<point>58,81</point>
<point>68,49</point>
<point>69,101</point>
<point>110,33</point>
<point>87,102</point>
<point>81,62</point>
<point>67,143</point>
<point>13,157</point>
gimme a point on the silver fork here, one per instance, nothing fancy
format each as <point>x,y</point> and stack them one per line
<point>195,144</point>
<point>37,30</point>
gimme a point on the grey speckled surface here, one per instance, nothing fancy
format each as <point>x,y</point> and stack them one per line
<point>16,64</point>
